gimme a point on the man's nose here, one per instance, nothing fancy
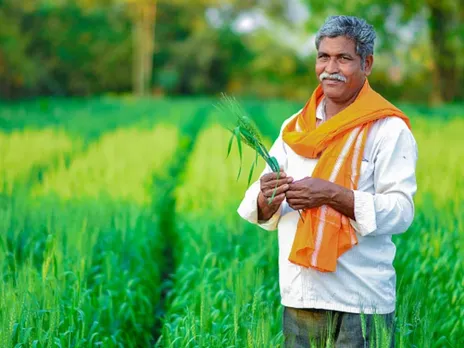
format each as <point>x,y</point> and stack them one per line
<point>332,66</point>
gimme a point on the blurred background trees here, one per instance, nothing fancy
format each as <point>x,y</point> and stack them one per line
<point>255,48</point>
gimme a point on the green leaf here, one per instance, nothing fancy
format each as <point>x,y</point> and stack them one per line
<point>250,175</point>
<point>260,152</point>
<point>250,142</point>
<point>249,139</point>
<point>275,167</point>
<point>263,148</point>
<point>270,163</point>
<point>230,145</point>
<point>246,133</point>
<point>275,188</point>
<point>239,144</point>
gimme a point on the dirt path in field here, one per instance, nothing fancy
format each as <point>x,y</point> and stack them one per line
<point>164,206</point>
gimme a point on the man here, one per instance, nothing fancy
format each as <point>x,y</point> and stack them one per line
<point>348,163</point>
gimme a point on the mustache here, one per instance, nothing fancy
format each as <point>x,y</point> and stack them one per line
<point>326,75</point>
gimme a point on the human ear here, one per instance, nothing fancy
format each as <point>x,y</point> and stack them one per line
<point>368,65</point>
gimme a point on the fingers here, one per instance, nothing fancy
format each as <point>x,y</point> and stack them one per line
<point>298,207</point>
<point>297,186</point>
<point>297,204</point>
<point>296,201</point>
<point>291,193</point>
<point>273,183</point>
<point>278,199</point>
<point>279,190</point>
<point>273,176</point>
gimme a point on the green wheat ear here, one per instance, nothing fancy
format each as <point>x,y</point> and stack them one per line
<point>250,126</point>
<point>246,132</point>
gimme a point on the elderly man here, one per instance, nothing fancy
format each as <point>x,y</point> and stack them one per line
<point>348,163</point>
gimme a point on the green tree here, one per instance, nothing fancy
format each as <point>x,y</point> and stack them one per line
<point>142,14</point>
<point>47,49</point>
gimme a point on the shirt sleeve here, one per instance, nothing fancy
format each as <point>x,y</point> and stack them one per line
<point>390,210</point>
<point>248,208</point>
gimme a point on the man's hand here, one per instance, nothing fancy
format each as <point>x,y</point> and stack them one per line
<point>268,184</point>
<point>309,193</point>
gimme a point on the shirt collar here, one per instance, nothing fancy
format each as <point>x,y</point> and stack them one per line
<point>320,110</point>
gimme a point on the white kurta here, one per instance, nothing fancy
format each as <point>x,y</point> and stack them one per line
<point>365,279</point>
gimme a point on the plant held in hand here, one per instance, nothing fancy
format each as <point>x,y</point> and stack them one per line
<point>247,132</point>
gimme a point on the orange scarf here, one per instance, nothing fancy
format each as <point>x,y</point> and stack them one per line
<point>325,233</point>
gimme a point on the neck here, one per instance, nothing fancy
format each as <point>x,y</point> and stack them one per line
<point>333,107</point>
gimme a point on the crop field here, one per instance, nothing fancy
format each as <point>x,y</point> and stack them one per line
<point>118,228</point>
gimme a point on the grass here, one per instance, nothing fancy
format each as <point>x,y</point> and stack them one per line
<point>429,256</point>
<point>118,165</point>
<point>225,288</point>
<point>77,274</point>
<point>18,161</point>
<point>86,223</point>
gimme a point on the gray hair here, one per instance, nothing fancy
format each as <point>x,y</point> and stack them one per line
<point>354,28</point>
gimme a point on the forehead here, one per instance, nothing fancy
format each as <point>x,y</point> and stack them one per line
<point>337,45</point>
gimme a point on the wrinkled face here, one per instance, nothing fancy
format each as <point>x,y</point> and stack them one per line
<point>338,56</point>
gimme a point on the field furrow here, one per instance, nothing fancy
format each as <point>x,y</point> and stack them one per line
<point>163,204</point>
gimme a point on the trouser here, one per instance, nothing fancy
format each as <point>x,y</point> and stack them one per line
<point>326,328</point>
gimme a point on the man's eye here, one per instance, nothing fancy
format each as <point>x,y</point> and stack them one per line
<point>323,58</point>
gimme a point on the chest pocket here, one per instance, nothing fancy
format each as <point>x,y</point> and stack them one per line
<point>364,165</point>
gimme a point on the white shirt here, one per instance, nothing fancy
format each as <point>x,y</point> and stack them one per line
<point>365,279</point>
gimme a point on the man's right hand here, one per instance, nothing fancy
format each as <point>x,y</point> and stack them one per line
<point>268,184</point>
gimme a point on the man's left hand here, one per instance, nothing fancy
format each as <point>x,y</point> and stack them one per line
<point>308,193</point>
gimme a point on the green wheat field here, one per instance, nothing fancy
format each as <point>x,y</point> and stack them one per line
<point>118,228</point>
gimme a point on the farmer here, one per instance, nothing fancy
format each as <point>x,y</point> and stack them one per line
<point>348,162</point>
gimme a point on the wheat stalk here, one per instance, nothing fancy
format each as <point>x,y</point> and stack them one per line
<point>247,132</point>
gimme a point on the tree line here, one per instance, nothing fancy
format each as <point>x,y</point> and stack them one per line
<point>171,47</point>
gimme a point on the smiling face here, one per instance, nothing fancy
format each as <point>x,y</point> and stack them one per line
<point>338,56</point>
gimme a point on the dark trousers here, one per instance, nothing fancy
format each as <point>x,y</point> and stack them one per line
<point>325,328</point>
